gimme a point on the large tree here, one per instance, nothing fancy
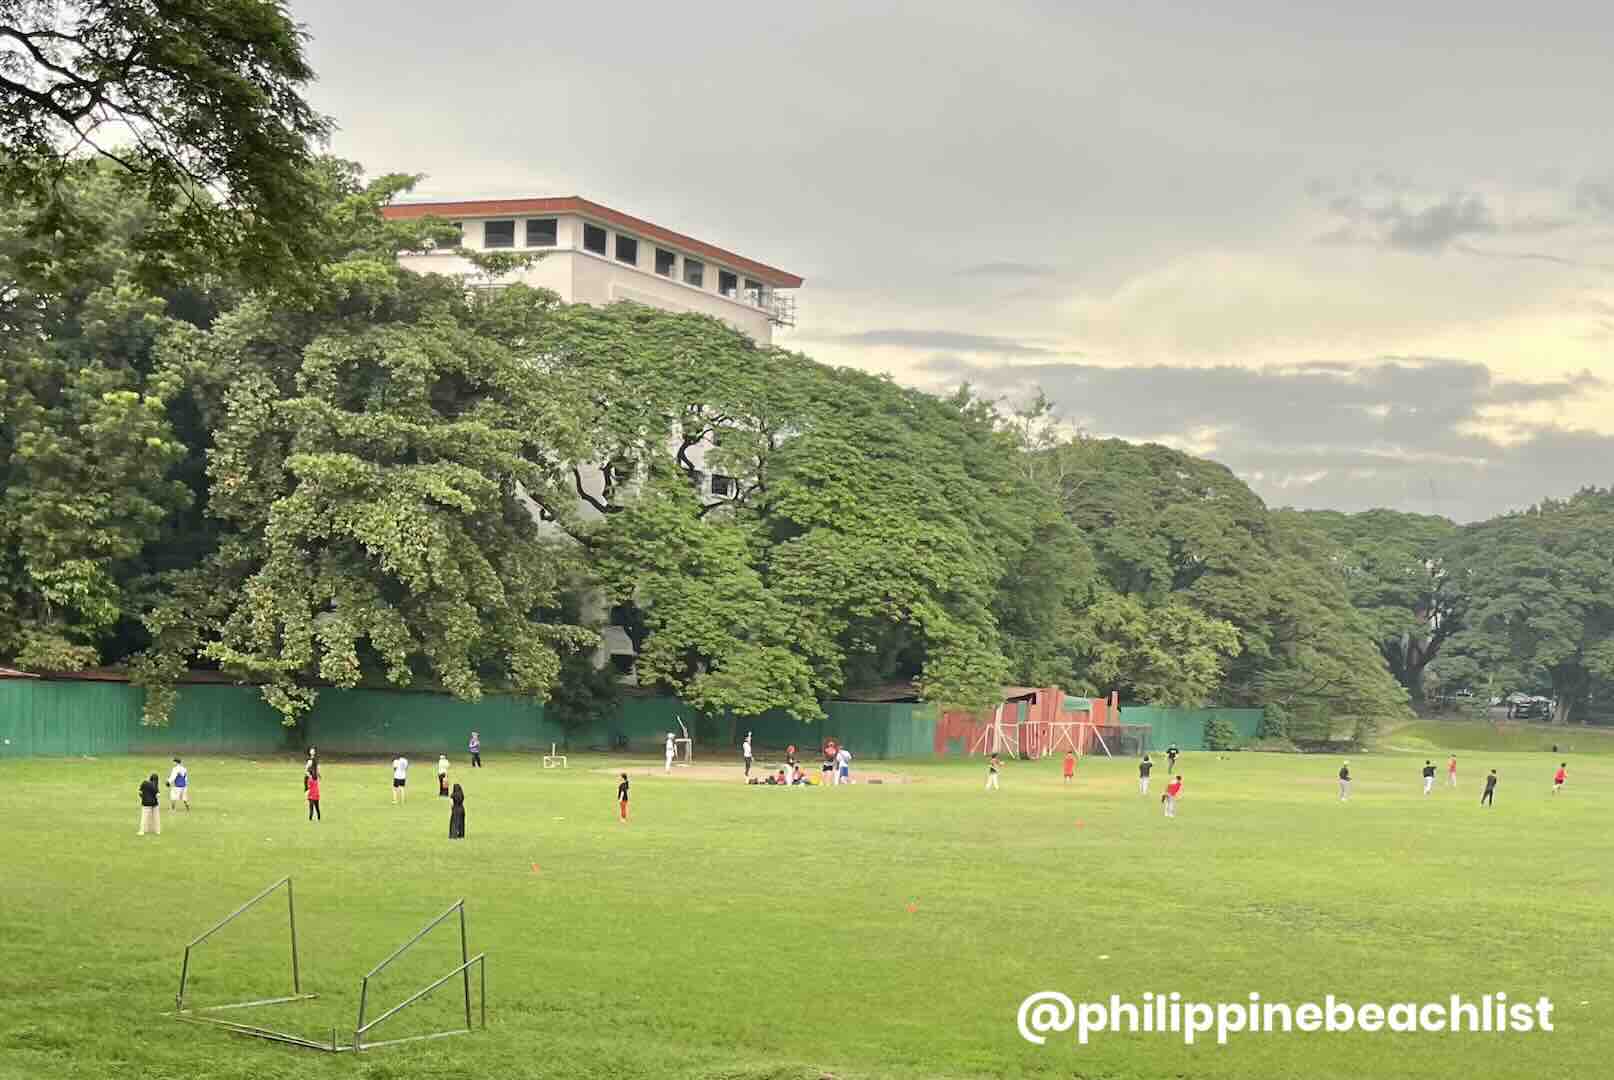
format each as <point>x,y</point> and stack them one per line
<point>198,103</point>
<point>1396,570</point>
<point>1541,613</point>
<point>375,437</point>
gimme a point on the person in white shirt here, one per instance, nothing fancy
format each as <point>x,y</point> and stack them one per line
<point>310,765</point>
<point>745,751</point>
<point>670,751</point>
<point>179,786</point>
<point>400,773</point>
<point>442,775</point>
<point>843,766</point>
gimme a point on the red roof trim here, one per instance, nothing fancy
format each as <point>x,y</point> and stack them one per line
<point>572,204</point>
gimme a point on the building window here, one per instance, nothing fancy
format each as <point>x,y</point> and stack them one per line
<point>728,284</point>
<point>694,273</point>
<point>542,232</point>
<point>627,249</point>
<point>499,234</point>
<point>665,261</point>
<point>594,239</point>
<point>755,292</point>
<point>724,487</point>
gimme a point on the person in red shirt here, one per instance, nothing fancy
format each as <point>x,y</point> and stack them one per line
<point>1451,772</point>
<point>1559,777</point>
<point>1070,765</point>
<point>313,795</point>
<point>1173,793</point>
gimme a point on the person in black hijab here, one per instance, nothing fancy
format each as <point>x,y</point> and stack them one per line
<point>456,814</point>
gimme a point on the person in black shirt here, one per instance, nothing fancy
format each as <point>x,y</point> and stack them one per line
<point>1345,781</point>
<point>148,807</point>
<point>622,799</point>
<point>1171,758</point>
<point>456,814</point>
<point>1144,768</point>
<point>1428,776</point>
<point>1489,798</point>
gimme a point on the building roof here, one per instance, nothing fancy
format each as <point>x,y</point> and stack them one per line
<point>572,204</point>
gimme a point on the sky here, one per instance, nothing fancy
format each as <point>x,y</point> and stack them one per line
<point>1363,257</point>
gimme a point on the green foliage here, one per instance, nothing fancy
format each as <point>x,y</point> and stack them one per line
<point>206,100</point>
<point>1541,602</point>
<point>1219,734</point>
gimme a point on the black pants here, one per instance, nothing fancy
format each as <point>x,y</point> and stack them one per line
<point>313,809</point>
<point>748,766</point>
<point>1489,798</point>
<point>476,759</point>
<point>456,823</point>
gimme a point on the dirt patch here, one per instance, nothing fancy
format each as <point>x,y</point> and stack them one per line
<point>736,773</point>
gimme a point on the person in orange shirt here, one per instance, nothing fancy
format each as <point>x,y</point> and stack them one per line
<point>313,795</point>
<point>1173,793</point>
<point>1070,765</point>
<point>1451,772</point>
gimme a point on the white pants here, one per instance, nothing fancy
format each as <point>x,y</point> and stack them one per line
<point>991,781</point>
<point>1143,785</point>
<point>1428,784</point>
<point>1171,806</point>
<point>669,760</point>
<point>150,820</point>
<point>1344,790</point>
<point>1451,779</point>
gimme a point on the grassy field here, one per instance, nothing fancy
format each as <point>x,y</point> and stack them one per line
<point>876,930</point>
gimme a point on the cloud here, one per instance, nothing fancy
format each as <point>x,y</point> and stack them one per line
<point>1009,269</point>
<point>940,339</point>
<point>1430,229</point>
<point>1425,434</point>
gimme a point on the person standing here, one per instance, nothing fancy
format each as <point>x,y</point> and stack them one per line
<point>1144,768</point>
<point>1345,782</point>
<point>1173,793</point>
<point>1559,777</point>
<point>826,775</point>
<point>622,799</point>
<point>310,765</point>
<point>1171,757</point>
<point>1070,765</point>
<point>1489,797</point>
<point>992,773</point>
<point>671,750</point>
<point>745,752</point>
<point>1451,772</point>
<point>476,750</point>
<point>1428,776</point>
<point>843,763</point>
<point>179,790</point>
<point>149,810</point>
<point>442,776</point>
<point>790,762</point>
<point>456,814</point>
<point>400,777</point>
<point>313,796</point>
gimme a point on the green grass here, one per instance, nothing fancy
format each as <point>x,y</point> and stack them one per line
<point>1512,737</point>
<point>740,932</point>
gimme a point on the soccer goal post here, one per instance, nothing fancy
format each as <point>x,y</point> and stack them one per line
<point>291,922</point>
<point>467,961</point>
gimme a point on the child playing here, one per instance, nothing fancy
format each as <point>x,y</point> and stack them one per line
<point>149,817</point>
<point>992,773</point>
<point>1070,765</point>
<point>179,790</point>
<point>1559,777</point>
<point>313,795</point>
<point>1169,799</point>
<point>622,799</point>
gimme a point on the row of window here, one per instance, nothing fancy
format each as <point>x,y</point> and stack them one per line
<point>544,232</point>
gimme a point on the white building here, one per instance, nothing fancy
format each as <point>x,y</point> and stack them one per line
<point>596,255</point>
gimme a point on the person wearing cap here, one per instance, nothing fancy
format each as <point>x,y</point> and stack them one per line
<point>1345,781</point>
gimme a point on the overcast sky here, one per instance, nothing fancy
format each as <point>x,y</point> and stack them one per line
<point>1365,257</point>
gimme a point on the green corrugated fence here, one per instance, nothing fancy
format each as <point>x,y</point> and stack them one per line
<point>1186,727</point>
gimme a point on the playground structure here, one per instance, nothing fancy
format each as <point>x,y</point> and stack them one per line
<point>1040,723</point>
<point>683,748</point>
<point>361,1028</point>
